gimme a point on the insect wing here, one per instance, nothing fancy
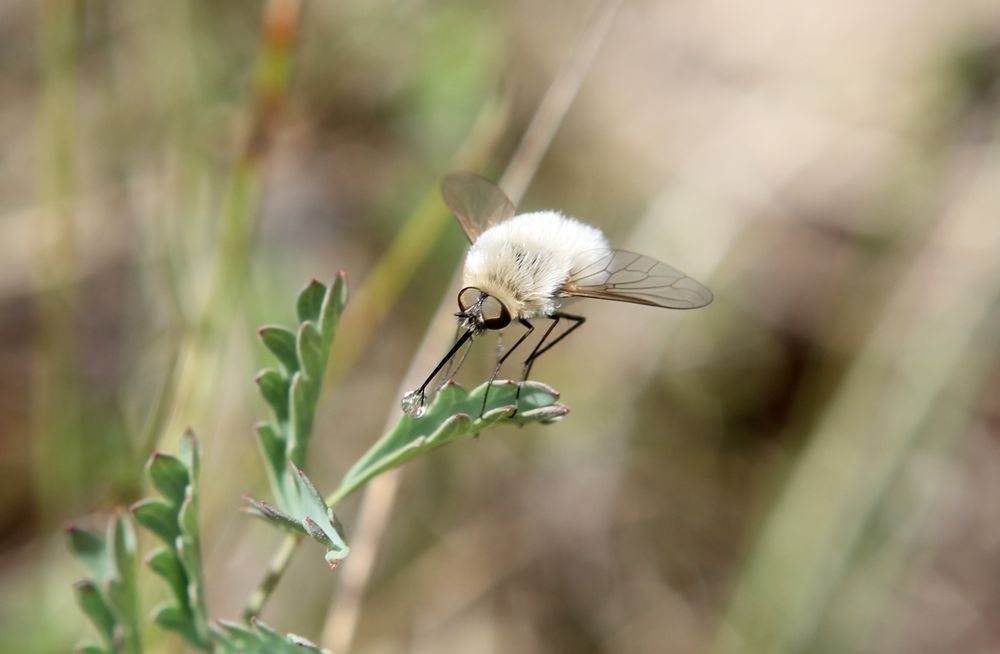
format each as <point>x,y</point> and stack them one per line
<point>477,202</point>
<point>629,277</point>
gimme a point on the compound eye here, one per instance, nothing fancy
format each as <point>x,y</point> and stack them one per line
<point>467,297</point>
<point>495,314</point>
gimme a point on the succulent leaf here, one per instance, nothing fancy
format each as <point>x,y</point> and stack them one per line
<point>110,598</point>
<point>281,343</point>
<point>449,418</point>
<point>169,476</point>
<point>175,521</point>
<point>293,393</point>
<point>310,301</point>
<point>260,639</point>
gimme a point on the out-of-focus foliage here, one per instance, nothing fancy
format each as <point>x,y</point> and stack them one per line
<point>110,598</point>
<point>174,520</point>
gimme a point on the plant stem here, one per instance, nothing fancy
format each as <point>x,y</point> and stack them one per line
<point>282,558</point>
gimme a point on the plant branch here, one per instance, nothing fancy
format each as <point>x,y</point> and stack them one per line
<point>275,571</point>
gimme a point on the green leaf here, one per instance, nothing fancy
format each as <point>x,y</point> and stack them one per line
<point>312,353</point>
<point>122,539</point>
<point>93,605</point>
<point>159,517</point>
<point>90,549</point>
<point>262,639</point>
<point>311,301</point>
<point>449,418</point>
<point>317,517</point>
<point>169,475</point>
<point>163,561</point>
<point>189,552</point>
<point>111,599</point>
<point>308,514</point>
<point>279,519</point>
<point>301,420</point>
<point>333,306</point>
<point>293,396</point>
<point>122,601</point>
<point>274,449</point>
<point>191,453</point>
<point>274,388</point>
<point>179,564</point>
<point>176,619</point>
<point>281,343</point>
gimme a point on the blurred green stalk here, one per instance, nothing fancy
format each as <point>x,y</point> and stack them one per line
<point>412,245</point>
<point>58,451</point>
<point>201,352</point>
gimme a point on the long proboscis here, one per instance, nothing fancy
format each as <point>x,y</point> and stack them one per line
<point>451,353</point>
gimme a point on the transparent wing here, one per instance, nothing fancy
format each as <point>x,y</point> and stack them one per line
<point>630,277</point>
<point>477,202</point>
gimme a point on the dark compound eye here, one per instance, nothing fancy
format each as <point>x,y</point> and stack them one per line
<point>491,308</point>
<point>467,297</point>
<point>495,314</point>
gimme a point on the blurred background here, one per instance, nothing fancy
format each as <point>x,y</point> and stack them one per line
<point>807,465</point>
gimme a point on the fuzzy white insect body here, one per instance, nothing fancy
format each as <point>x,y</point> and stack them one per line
<point>525,261</point>
<point>521,267</point>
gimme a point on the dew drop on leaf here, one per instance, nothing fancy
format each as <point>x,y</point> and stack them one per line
<point>414,404</point>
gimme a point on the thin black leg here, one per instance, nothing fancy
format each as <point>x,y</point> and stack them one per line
<point>539,350</point>
<point>496,371</point>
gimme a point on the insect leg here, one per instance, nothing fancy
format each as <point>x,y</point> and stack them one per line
<point>539,350</point>
<point>496,371</point>
<point>577,321</point>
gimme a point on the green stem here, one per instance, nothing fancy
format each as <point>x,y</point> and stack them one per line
<point>279,563</point>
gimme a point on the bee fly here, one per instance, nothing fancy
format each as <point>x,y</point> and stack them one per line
<point>525,267</point>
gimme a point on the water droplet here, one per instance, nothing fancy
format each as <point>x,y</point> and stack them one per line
<point>414,404</point>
